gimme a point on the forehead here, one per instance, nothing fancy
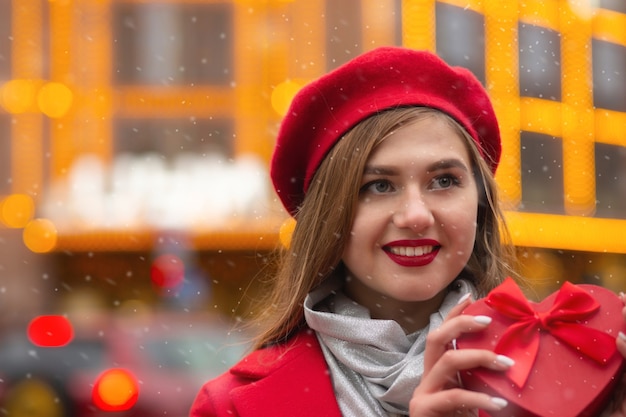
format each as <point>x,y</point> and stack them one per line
<point>426,139</point>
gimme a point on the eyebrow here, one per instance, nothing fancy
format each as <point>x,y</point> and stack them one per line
<point>447,164</point>
<point>437,166</point>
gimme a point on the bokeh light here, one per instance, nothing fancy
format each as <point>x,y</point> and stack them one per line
<point>167,271</point>
<point>40,235</point>
<point>115,390</point>
<point>283,94</point>
<point>54,99</point>
<point>285,232</point>
<point>50,331</point>
<point>18,96</point>
<point>16,210</point>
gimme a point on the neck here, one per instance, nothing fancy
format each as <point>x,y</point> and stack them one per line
<point>410,315</point>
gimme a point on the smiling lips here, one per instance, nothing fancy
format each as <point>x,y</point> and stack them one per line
<point>412,252</point>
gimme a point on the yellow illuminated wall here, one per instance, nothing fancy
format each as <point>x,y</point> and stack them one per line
<point>574,119</point>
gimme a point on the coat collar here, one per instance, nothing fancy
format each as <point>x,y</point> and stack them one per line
<point>287,380</point>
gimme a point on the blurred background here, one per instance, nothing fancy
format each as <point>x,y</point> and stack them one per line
<point>136,215</point>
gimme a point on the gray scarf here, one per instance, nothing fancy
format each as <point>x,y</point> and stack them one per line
<point>375,366</point>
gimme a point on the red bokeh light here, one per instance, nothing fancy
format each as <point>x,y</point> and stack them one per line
<point>167,271</point>
<point>50,331</point>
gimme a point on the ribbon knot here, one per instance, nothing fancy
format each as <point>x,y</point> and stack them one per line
<point>542,318</point>
<point>520,341</point>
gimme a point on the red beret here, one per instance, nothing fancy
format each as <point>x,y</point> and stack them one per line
<point>324,110</point>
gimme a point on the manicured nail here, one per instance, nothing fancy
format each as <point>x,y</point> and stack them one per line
<point>622,336</point>
<point>464,298</point>
<point>499,402</point>
<point>505,360</point>
<point>482,319</point>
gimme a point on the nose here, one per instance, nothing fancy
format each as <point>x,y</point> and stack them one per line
<point>413,211</point>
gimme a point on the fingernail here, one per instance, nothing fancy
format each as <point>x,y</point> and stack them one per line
<point>464,298</point>
<point>482,319</point>
<point>622,336</point>
<point>499,402</point>
<point>505,360</point>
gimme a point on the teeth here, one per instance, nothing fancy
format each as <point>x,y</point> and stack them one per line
<point>410,250</point>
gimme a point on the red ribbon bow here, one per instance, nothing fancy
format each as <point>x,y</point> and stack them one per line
<point>520,341</point>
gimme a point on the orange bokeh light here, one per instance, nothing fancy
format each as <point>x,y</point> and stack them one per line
<point>115,390</point>
<point>283,94</point>
<point>40,235</point>
<point>18,96</point>
<point>17,210</point>
<point>54,99</point>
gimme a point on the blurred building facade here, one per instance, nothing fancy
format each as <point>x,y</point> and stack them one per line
<point>131,129</point>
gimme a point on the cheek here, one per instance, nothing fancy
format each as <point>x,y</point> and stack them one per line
<point>461,236</point>
<point>365,230</point>
<point>364,221</point>
<point>469,234</point>
<point>461,221</point>
<point>360,234</point>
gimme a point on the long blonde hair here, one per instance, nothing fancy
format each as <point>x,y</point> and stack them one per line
<point>325,219</point>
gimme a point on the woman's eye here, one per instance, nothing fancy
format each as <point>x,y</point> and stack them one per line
<point>445,181</point>
<point>378,187</point>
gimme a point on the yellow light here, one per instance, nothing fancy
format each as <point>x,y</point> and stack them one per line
<point>18,96</point>
<point>54,99</point>
<point>540,13</point>
<point>418,24</point>
<point>283,94</point>
<point>610,127</point>
<point>285,232</point>
<point>609,26</point>
<point>541,116</point>
<point>583,8</point>
<point>565,232</point>
<point>40,235</point>
<point>17,210</point>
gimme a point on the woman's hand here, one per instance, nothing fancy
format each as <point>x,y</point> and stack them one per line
<point>617,407</point>
<point>439,393</point>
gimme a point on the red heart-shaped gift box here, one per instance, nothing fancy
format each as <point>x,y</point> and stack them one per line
<point>566,364</point>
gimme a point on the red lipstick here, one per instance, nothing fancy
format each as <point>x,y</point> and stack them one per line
<point>412,253</point>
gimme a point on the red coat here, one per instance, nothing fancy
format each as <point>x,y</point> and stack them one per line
<point>280,381</point>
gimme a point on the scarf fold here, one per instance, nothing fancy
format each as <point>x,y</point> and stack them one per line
<point>374,365</point>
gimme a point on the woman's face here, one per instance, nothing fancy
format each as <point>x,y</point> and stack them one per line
<point>415,222</point>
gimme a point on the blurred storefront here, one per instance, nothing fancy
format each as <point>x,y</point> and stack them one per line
<point>135,137</point>
<point>134,132</point>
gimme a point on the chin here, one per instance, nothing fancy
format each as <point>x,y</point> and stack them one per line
<point>419,296</point>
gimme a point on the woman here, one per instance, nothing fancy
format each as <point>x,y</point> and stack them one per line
<point>387,165</point>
